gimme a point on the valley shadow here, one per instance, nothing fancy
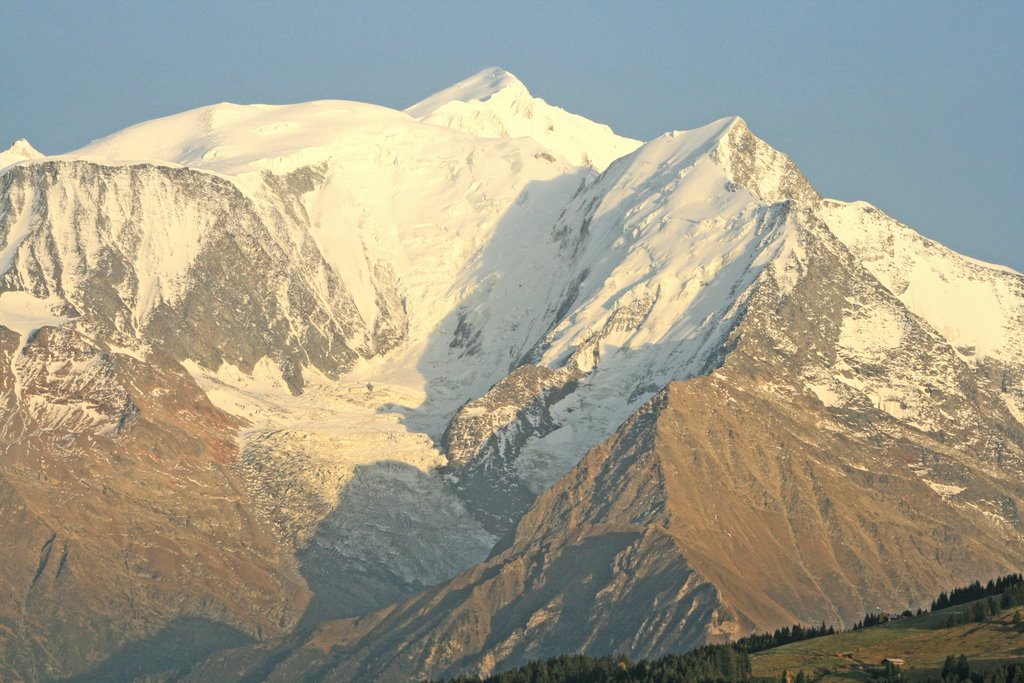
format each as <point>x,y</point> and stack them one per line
<point>168,654</point>
<point>389,537</point>
<point>393,533</point>
<point>380,645</point>
<point>574,578</point>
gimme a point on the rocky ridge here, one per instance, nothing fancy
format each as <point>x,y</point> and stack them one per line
<point>366,340</point>
<point>646,546</point>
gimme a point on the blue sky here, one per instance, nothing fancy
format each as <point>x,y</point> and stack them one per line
<point>916,107</point>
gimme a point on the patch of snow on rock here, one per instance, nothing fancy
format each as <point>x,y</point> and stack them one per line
<point>25,313</point>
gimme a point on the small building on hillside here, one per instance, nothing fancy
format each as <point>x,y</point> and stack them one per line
<point>895,662</point>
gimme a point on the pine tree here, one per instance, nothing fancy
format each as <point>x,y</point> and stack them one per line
<point>993,605</point>
<point>949,668</point>
<point>963,669</point>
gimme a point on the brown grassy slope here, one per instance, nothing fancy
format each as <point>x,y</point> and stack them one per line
<point>705,517</point>
<point>794,519</point>
<point>119,514</point>
<point>921,641</point>
<point>592,569</point>
<point>731,502</point>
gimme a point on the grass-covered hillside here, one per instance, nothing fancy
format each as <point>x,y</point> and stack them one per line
<point>923,642</point>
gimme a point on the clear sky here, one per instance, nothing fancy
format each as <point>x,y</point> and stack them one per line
<point>916,107</point>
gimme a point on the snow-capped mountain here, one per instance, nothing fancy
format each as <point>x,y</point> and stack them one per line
<point>20,150</point>
<point>479,336</point>
<point>495,104</point>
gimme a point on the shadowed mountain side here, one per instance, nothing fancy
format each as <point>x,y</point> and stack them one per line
<point>389,537</point>
<point>733,502</point>
<point>499,308</point>
<point>119,511</point>
<point>705,517</point>
<point>505,298</point>
<point>617,585</point>
<point>603,371</point>
<point>166,654</point>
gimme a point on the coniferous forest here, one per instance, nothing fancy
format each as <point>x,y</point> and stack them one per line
<point>718,663</point>
<point>1012,584</point>
<point>959,670</point>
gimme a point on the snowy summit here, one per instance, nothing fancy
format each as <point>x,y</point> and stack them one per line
<point>21,150</point>
<point>306,360</point>
<point>494,103</point>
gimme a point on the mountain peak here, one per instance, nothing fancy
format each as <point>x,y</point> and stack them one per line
<point>22,146</point>
<point>354,347</point>
<point>480,87</point>
<point>21,150</point>
<point>495,104</point>
<point>756,165</point>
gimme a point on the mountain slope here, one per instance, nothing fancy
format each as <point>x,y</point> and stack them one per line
<point>120,512</point>
<point>268,250</point>
<point>370,208</point>
<point>653,260</point>
<point>977,307</point>
<point>485,325</point>
<point>923,642</point>
<point>647,546</point>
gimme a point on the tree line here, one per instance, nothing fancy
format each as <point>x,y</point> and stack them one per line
<point>958,670</point>
<point>975,591</point>
<point>1001,593</point>
<point>706,664</point>
<point>980,610</point>
<point>783,636</point>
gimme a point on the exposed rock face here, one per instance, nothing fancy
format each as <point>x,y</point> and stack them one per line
<point>486,434</point>
<point>177,259</point>
<point>650,284</point>
<point>977,308</point>
<point>408,394</point>
<point>736,501</point>
<point>753,164</point>
<point>116,497</point>
<point>822,481</point>
<point>367,527</point>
